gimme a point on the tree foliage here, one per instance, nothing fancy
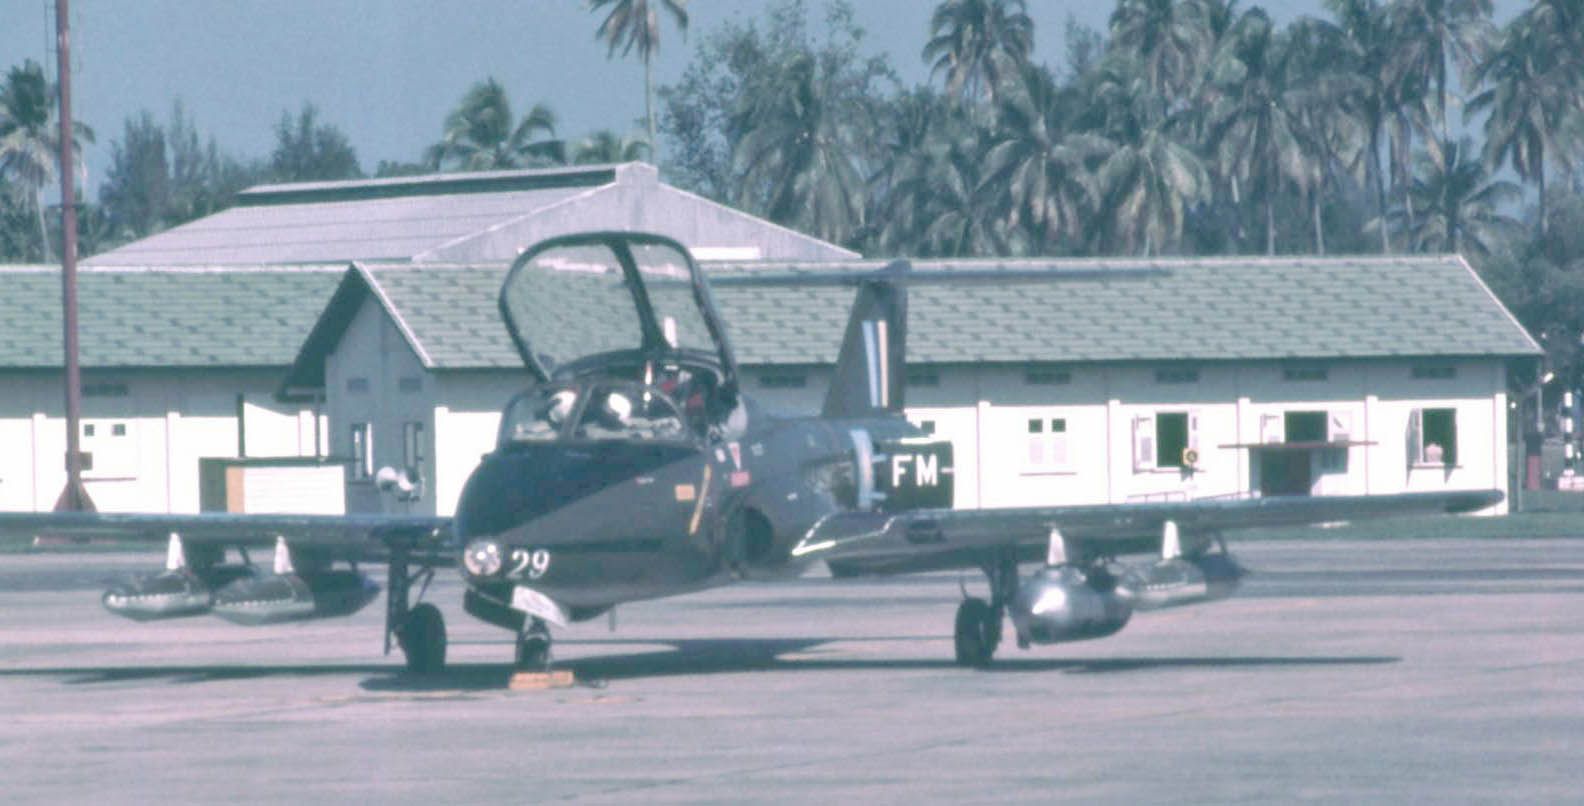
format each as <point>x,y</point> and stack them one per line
<point>307,150</point>
<point>481,134</point>
<point>635,25</point>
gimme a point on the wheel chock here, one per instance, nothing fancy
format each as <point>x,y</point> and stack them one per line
<point>540,681</point>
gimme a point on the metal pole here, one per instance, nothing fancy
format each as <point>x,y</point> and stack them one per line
<point>74,498</point>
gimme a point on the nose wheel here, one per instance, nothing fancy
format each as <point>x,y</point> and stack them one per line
<point>533,647</point>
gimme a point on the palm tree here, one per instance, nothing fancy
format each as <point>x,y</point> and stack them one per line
<point>1532,101</point>
<point>29,136</point>
<point>928,199</point>
<point>480,136</point>
<point>1458,202</point>
<point>977,43</point>
<point>1256,127</point>
<point>1430,34</point>
<point>1171,38</point>
<point>1365,45</point>
<point>606,146</point>
<point>635,25</point>
<point>1149,178</point>
<point>796,160</point>
<point>1036,167</point>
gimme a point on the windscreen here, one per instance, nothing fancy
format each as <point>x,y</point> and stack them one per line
<point>571,301</point>
<point>665,275</point>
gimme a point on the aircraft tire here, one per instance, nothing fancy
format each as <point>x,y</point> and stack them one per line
<point>978,632</point>
<point>533,648</point>
<point>423,640</point>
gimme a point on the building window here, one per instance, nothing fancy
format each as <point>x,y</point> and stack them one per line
<point>1176,375</point>
<point>362,450</point>
<point>357,384</point>
<point>783,380</point>
<point>1302,373</point>
<point>413,446</point>
<point>1305,426</point>
<point>1166,439</point>
<point>1432,437</point>
<point>409,384</point>
<point>923,377</point>
<point>105,390</point>
<point>1435,372</point>
<point>1044,376</point>
<point>1047,444</point>
<point>113,445</point>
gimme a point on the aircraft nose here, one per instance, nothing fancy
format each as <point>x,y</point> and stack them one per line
<point>513,487</point>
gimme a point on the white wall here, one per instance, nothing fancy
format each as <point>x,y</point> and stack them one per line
<point>985,411</point>
<point>146,442</point>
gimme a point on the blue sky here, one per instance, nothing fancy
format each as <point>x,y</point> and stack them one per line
<point>387,71</point>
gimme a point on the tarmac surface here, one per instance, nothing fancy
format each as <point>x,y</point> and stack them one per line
<point>1396,671</point>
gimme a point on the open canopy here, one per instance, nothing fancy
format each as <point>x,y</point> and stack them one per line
<point>586,295</point>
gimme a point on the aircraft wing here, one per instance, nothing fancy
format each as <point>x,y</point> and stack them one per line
<point>341,537</point>
<point>941,538</point>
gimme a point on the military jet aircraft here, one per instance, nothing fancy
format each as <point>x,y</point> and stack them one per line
<point>634,467</point>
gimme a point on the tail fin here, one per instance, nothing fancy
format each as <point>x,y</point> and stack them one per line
<point>871,370</point>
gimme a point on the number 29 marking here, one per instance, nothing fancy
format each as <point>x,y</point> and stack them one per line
<point>531,563</point>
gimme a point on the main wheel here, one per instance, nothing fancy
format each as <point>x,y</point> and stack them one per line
<point>533,647</point>
<point>978,632</point>
<point>423,639</point>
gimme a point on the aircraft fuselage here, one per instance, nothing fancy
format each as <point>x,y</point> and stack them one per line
<point>590,524</point>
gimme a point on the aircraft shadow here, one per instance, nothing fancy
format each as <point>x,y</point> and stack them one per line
<point>736,655</point>
<point>679,657</point>
<point>92,675</point>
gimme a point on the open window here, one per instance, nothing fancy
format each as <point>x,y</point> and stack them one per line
<point>1432,437</point>
<point>1166,439</point>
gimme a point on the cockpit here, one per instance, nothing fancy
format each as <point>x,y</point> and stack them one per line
<point>676,405</point>
<point>624,341</point>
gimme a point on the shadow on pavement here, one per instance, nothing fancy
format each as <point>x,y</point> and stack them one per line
<point>681,657</point>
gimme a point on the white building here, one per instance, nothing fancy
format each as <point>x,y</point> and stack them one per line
<point>179,366</point>
<point>1231,376</point>
<point>186,334</point>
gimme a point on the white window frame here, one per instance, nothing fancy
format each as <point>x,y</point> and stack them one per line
<point>1339,428</point>
<point>1048,449</point>
<point>362,451</point>
<point>1416,438</point>
<point>1146,442</point>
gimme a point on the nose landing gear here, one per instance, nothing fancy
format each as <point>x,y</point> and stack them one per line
<point>533,647</point>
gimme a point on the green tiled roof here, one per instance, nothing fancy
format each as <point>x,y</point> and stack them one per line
<point>162,317</point>
<point>1205,310</point>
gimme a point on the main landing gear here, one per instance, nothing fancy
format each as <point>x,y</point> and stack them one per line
<point>423,640</point>
<point>978,630</point>
<point>418,629</point>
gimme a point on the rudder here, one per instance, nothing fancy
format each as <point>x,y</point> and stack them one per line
<point>871,369</point>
